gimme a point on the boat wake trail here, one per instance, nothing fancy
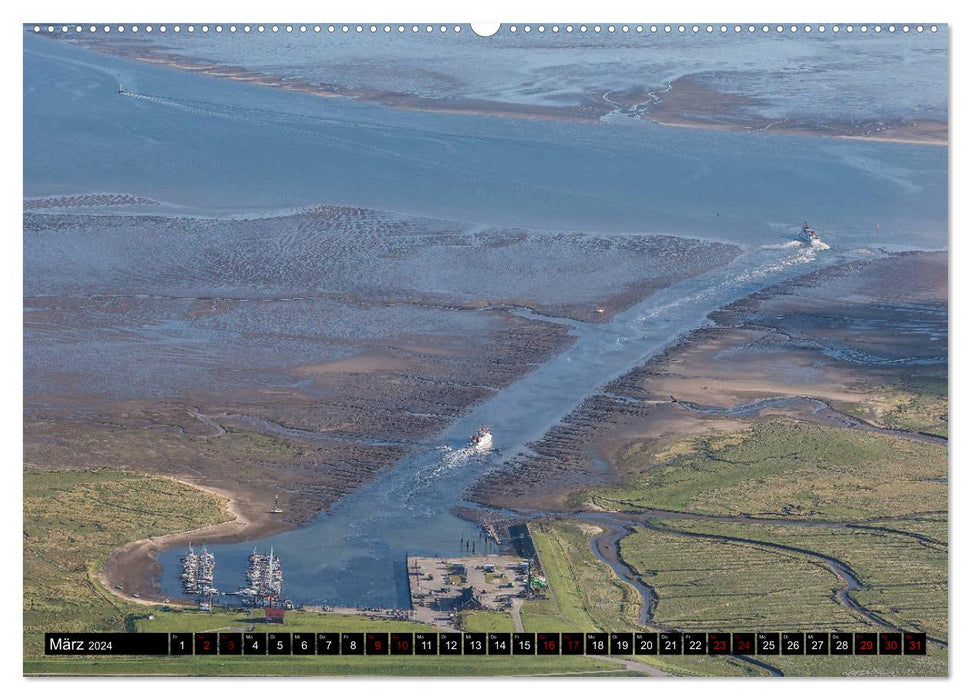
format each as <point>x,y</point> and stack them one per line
<point>781,246</point>
<point>430,471</point>
<point>745,278</point>
<point>452,458</point>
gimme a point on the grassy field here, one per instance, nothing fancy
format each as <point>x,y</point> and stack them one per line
<point>72,521</point>
<point>933,527</point>
<point>706,585</point>
<point>893,488</point>
<point>918,403</point>
<point>934,664</point>
<point>586,595</point>
<point>562,602</point>
<point>487,621</point>
<point>905,579</point>
<point>704,666</point>
<point>785,468</point>
<point>296,621</point>
<point>326,666</point>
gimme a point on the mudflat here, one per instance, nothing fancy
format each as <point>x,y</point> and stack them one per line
<point>290,359</point>
<point>835,335</point>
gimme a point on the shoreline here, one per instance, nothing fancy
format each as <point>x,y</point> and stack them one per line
<point>916,140</point>
<point>289,454</point>
<point>139,559</point>
<point>668,112</point>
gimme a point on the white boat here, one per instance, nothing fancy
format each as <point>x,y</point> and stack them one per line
<point>808,234</point>
<point>481,440</point>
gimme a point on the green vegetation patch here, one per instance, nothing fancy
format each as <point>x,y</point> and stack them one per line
<point>790,469</point>
<point>711,585</point>
<point>932,665</point>
<point>487,621</point>
<point>72,521</point>
<point>917,403</point>
<point>327,666</point>
<point>704,666</point>
<point>934,527</point>
<point>904,578</point>
<point>585,593</point>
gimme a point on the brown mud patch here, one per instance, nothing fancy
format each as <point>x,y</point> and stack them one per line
<point>305,448</point>
<point>688,103</point>
<point>86,200</point>
<point>778,342</point>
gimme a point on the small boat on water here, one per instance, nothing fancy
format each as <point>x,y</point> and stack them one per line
<point>481,440</point>
<point>808,234</point>
<point>121,89</point>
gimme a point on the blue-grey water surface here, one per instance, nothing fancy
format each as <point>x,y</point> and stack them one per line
<point>203,146</point>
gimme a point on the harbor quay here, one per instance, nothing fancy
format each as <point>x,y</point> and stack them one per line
<point>441,587</point>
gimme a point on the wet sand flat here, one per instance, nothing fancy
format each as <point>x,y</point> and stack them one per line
<point>292,357</point>
<point>720,98</point>
<point>688,103</point>
<point>842,335</point>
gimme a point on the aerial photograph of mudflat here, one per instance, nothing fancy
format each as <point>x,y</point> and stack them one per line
<point>399,350</point>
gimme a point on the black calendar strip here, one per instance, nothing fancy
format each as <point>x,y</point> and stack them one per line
<point>486,644</point>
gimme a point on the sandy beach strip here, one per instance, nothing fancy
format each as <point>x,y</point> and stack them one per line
<point>132,567</point>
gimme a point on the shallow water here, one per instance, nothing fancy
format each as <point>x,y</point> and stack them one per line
<point>817,77</point>
<point>228,148</point>
<point>202,146</point>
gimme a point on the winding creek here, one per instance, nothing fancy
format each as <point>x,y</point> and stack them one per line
<point>606,548</point>
<point>821,410</point>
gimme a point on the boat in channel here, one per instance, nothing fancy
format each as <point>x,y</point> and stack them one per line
<point>807,234</point>
<point>481,440</point>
